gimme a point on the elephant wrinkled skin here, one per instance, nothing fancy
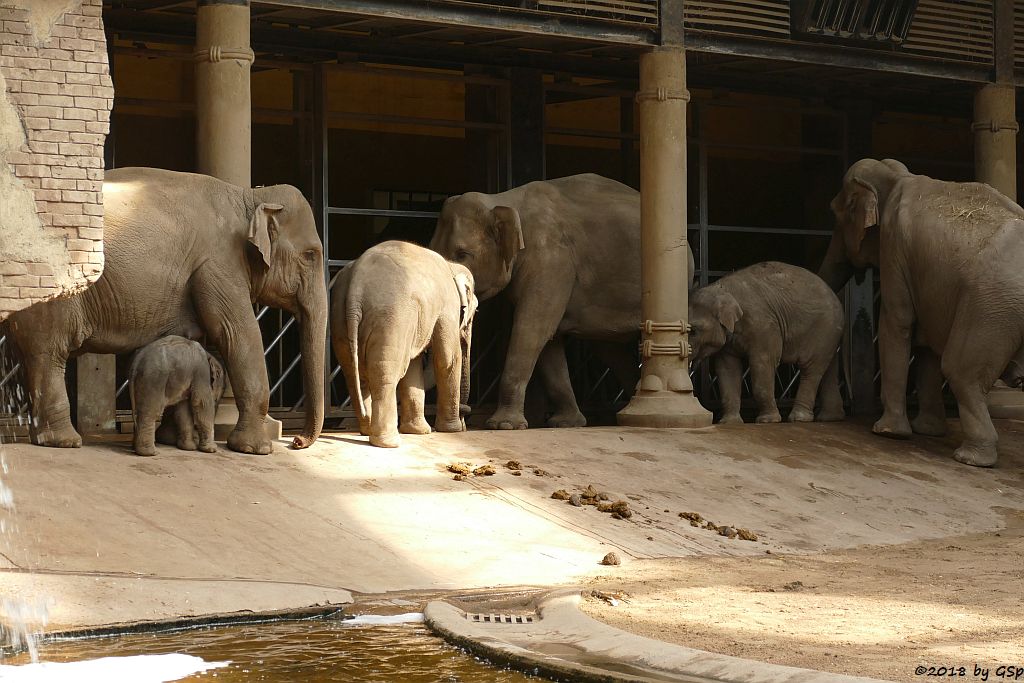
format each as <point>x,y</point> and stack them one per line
<point>177,373</point>
<point>949,256</point>
<point>567,253</point>
<point>770,313</point>
<point>387,307</point>
<point>187,254</point>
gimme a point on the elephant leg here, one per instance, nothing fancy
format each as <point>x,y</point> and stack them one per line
<point>343,355</point>
<point>204,408</point>
<point>383,377</point>
<point>762,380</point>
<point>185,424</point>
<point>894,335</point>
<point>554,371</point>
<point>830,401</point>
<point>971,375</point>
<point>229,321</point>
<point>446,348</point>
<point>729,370</point>
<point>931,410</point>
<point>806,390</point>
<point>51,419</point>
<point>535,322</point>
<point>411,399</point>
<point>146,411</point>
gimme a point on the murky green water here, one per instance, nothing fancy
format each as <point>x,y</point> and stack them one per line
<point>318,651</point>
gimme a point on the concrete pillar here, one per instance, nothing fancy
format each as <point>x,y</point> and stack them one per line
<point>96,384</point>
<point>664,397</point>
<point>224,125</point>
<point>995,162</point>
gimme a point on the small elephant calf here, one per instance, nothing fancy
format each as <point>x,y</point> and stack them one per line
<point>174,371</point>
<point>770,313</point>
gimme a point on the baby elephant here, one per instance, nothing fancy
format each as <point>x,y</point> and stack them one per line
<point>387,307</point>
<point>770,313</point>
<point>174,371</point>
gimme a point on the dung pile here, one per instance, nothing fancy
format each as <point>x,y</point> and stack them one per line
<point>599,499</point>
<point>696,520</point>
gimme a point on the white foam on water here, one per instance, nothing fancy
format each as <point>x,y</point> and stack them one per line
<point>135,669</point>
<point>381,620</point>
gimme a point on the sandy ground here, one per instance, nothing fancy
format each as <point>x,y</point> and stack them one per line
<point>876,611</point>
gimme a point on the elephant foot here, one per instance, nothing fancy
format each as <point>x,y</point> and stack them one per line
<point>385,440</point>
<point>167,434</point>
<point>731,419</point>
<point>798,414</point>
<point>831,415</point>
<point>417,426</point>
<point>364,427</point>
<point>978,456</point>
<point>186,444</point>
<point>252,442</point>
<point>61,437</point>
<point>506,419</point>
<point>464,410</point>
<point>456,425</point>
<point>210,447</point>
<point>768,418</point>
<point>146,450</point>
<point>929,425</point>
<point>893,428</point>
<point>563,420</point>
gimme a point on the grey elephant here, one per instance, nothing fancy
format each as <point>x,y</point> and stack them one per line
<point>387,308</point>
<point>770,313</point>
<point>178,373</point>
<point>567,253</point>
<point>949,256</point>
<point>187,254</point>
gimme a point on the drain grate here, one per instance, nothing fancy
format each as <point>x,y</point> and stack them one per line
<point>501,618</point>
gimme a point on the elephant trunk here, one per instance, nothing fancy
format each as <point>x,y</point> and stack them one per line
<point>313,342</point>
<point>467,339</point>
<point>835,269</point>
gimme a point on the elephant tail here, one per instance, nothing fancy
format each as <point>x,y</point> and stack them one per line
<point>353,316</point>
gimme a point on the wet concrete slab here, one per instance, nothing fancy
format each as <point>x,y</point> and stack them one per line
<point>105,536</point>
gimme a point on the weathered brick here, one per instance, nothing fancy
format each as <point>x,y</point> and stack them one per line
<point>14,304</point>
<point>21,281</point>
<point>90,234</point>
<point>12,268</point>
<point>9,292</point>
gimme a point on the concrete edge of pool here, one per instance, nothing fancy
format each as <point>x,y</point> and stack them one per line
<point>552,636</point>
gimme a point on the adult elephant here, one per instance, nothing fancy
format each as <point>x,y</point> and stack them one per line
<point>949,256</point>
<point>567,251</point>
<point>187,254</point>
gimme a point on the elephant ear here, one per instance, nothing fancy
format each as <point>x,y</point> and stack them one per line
<point>467,301</point>
<point>507,232</point>
<point>861,213</point>
<point>216,376</point>
<point>263,228</point>
<point>728,311</point>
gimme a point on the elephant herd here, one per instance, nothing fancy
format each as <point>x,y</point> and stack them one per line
<point>187,256</point>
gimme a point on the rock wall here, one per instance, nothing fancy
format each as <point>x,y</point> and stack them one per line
<point>55,100</point>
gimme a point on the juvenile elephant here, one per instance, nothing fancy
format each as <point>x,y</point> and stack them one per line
<point>567,252</point>
<point>178,372</point>
<point>387,307</point>
<point>949,256</point>
<point>770,313</point>
<point>185,254</point>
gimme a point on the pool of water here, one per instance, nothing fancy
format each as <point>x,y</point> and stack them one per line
<point>315,651</point>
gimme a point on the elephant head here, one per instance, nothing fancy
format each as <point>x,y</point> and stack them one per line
<point>857,208</point>
<point>287,272</point>
<point>713,314</point>
<point>483,238</point>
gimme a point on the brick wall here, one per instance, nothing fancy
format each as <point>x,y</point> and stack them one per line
<point>55,100</point>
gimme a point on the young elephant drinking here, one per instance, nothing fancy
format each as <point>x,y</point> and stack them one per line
<point>387,307</point>
<point>174,371</point>
<point>770,313</point>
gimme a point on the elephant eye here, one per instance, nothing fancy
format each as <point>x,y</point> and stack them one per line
<point>311,255</point>
<point>462,255</point>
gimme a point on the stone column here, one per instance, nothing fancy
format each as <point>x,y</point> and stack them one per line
<point>664,397</point>
<point>995,162</point>
<point>224,125</point>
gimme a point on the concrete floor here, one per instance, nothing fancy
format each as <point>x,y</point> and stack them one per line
<point>103,536</point>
